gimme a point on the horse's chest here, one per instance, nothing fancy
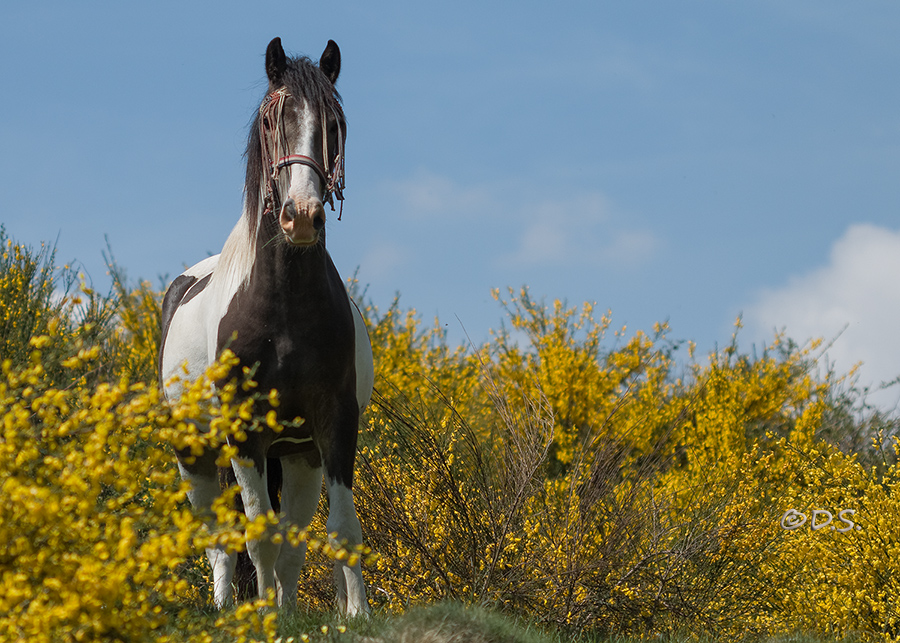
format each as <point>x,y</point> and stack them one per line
<point>291,355</point>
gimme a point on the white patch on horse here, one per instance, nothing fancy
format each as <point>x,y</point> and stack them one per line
<point>342,520</point>
<point>203,268</point>
<point>203,491</point>
<point>305,185</point>
<point>237,259</point>
<point>299,498</point>
<point>291,440</point>
<point>263,552</point>
<point>365,372</point>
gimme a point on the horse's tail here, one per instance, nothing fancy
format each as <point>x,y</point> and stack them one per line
<point>245,572</point>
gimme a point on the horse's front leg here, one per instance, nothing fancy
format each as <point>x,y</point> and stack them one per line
<point>202,474</point>
<point>339,456</point>
<point>342,521</point>
<point>251,476</point>
<point>300,491</point>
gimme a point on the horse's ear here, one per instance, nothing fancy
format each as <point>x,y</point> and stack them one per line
<point>276,62</point>
<point>330,62</point>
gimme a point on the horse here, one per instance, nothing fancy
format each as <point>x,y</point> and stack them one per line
<point>274,298</point>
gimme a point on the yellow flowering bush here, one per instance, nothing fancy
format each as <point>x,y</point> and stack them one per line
<point>134,339</point>
<point>590,488</point>
<point>95,533</point>
<point>576,476</point>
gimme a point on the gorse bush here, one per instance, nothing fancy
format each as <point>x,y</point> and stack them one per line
<point>594,490</point>
<point>94,528</point>
<point>32,306</point>
<point>584,482</point>
<point>39,299</point>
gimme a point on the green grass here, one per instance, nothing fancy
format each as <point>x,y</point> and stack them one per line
<point>444,623</point>
<point>449,623</point>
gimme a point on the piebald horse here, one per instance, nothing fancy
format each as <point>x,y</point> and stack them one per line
<point>274,297</point>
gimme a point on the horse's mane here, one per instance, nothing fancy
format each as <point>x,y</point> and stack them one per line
<point>303,79</point>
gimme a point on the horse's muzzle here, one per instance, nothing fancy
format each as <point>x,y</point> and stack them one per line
<point>301,225</point>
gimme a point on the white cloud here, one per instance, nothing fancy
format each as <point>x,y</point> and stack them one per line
<point>579,231</point>
<point>859,288</point>
<point>427,194</point>
<point>529,230</point>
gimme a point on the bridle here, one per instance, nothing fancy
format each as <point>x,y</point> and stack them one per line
<point>271,129</point>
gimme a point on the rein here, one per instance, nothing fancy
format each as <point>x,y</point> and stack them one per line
<point>271,126</point>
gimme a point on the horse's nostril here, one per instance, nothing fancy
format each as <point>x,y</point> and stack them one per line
<point>319,222</point>
<point>290,210</point>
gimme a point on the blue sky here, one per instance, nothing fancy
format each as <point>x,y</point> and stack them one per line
<point>683,161</point>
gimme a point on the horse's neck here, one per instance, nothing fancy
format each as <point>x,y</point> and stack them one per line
<point>281,268</point>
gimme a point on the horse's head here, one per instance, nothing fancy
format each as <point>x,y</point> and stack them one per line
<point>302,130</point>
